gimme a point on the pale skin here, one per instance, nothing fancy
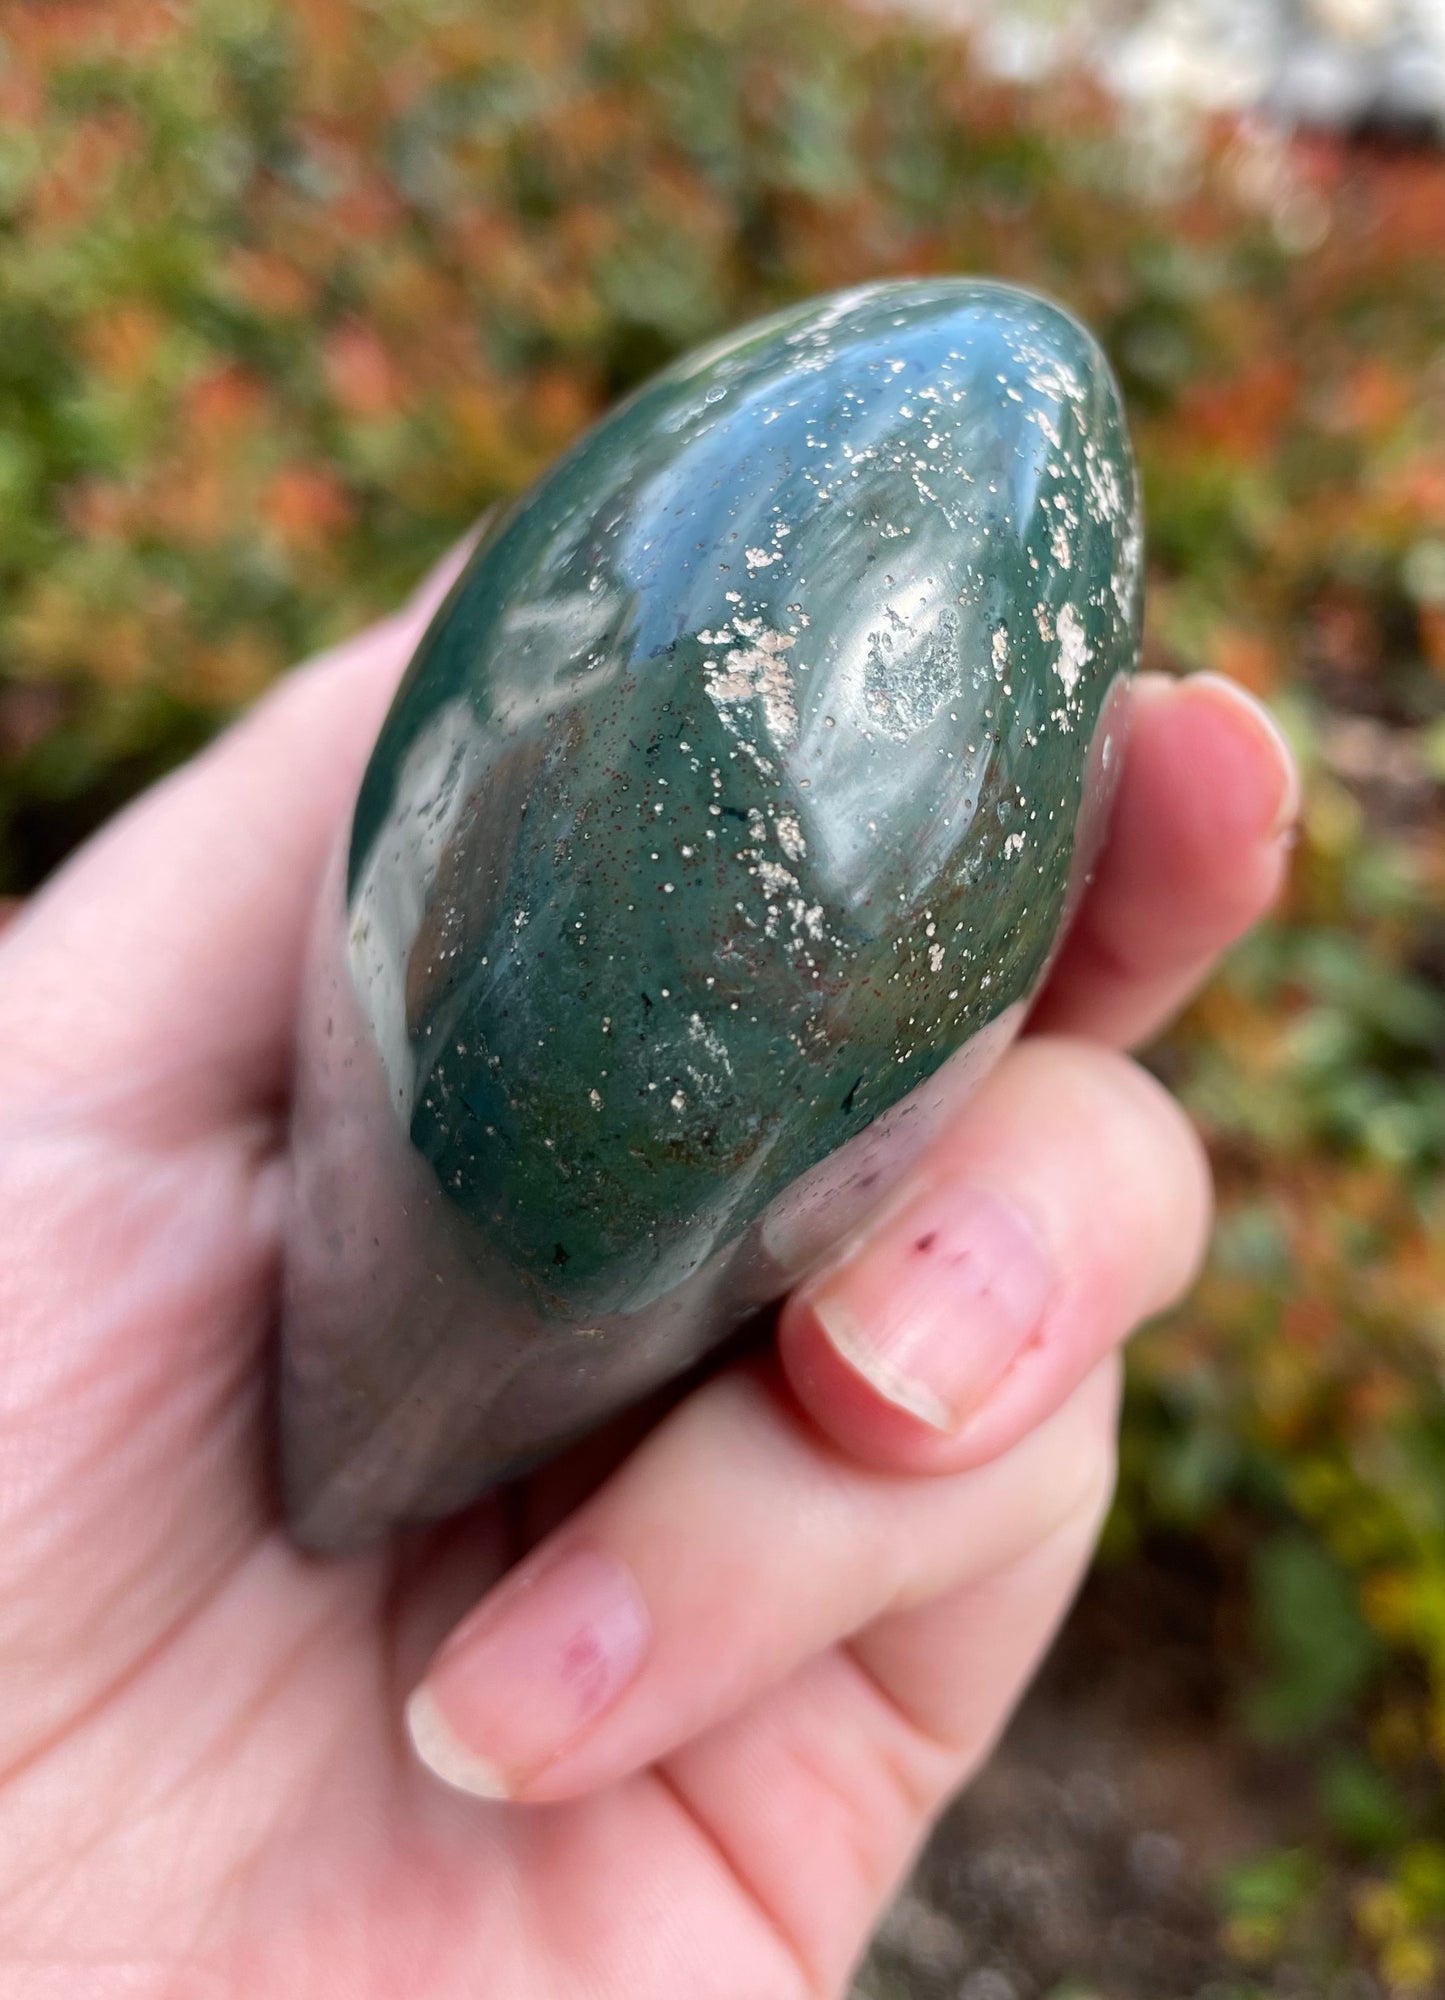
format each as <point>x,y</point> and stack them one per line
<point>207,1786</point>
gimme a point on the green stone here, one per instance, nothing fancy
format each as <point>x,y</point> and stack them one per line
<point>728,817</point>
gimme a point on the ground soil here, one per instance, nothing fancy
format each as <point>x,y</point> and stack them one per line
<point>1083,1863</point>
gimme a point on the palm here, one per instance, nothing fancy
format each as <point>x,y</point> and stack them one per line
<point>211,1718</point>
<point>241,1704</point>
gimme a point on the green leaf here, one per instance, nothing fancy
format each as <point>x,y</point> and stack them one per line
<point>1316,1650</point>
<point>1361,1806</point>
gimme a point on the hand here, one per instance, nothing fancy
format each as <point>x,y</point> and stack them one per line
<point>753,1661</point>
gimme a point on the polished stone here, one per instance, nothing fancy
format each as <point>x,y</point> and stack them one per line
<point>726,821</point>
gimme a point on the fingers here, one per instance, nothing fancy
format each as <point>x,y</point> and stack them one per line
<point>1198,849</point>
<point>1070,1202</point>
<point>189,912</point>
<point>820,1794</point>
<point>733,1547</point>
<point>749,1534</point>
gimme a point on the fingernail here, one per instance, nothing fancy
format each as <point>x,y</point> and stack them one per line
<point>934,1310</point>
<point>529,1671</point>
<point>444,1754</point>
<point>1274,742</point>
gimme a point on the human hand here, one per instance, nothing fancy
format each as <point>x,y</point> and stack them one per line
<point>746,1669</point>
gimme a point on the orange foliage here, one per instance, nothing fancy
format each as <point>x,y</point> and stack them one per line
<point>1243,414</point>
<point>80,176</point>
<point>306,506</point>
<point>362,375</point>
<point>121,344</point>
<point>223,405</point>
<point>1248,657</point>
<point>271,283</point>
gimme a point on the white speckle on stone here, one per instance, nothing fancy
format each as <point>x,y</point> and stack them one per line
<point>1074,650</point>
<point>1126,575</point>
<point>758,671</point>
<point>775,878</point>
<point>790,836</point>
<point>1104,488</point>
<point>709,1039</point>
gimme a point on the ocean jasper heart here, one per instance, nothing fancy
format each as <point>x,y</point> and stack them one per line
<point>724,824</point>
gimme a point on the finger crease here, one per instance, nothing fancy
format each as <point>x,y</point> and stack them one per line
<point>814,1986</point>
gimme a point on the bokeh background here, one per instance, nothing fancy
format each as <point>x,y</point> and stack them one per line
<point>288,293</point>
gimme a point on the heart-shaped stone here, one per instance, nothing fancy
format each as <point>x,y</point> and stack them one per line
<point>727,819</point>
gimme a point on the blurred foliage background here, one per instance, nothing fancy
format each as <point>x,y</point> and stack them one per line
<point>288,293</point>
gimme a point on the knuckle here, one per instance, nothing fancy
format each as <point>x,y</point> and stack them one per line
<point>1086,1490</point>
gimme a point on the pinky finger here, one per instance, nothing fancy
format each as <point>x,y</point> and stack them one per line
<point>820,1793</point>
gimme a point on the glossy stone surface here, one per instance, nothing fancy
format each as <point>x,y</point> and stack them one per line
<point>727,818</point>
